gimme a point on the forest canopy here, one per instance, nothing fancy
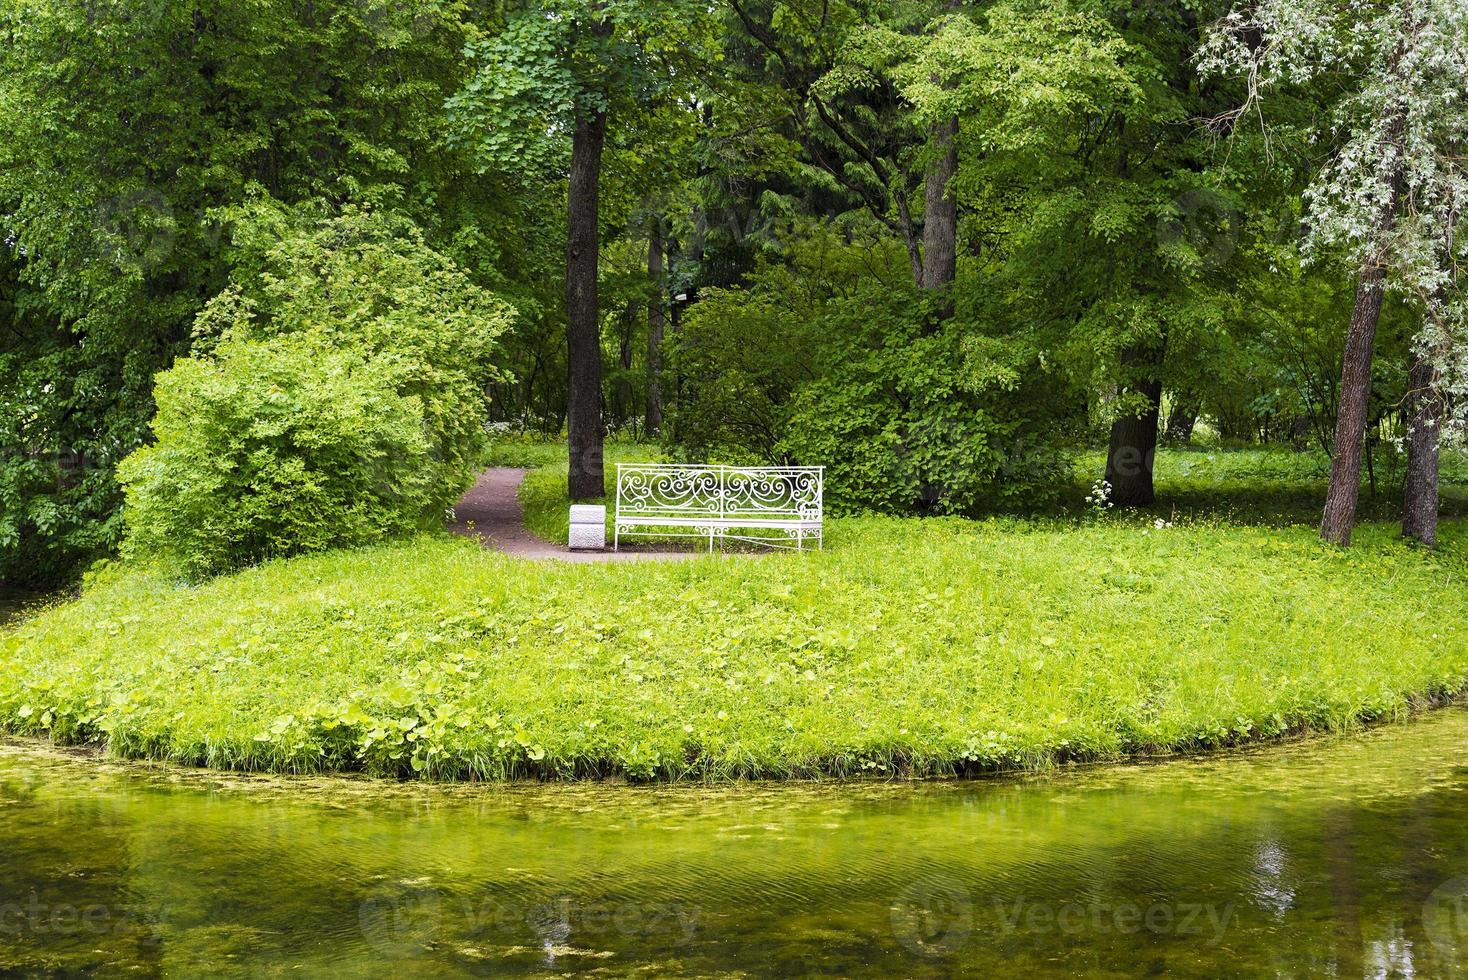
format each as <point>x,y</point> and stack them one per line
<point>939,247</point>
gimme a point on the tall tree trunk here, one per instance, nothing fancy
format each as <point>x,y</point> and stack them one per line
<point>675,377</point>
<point>1426,408</point>
<point>1300,433</point>
<point>656,321</point>
<point>1133,448</point>
<point>1133,451</point>
<point>940,220</point>
<point>583,329</point>
<point>1344,491</point>
<point>940,207</point>
<point>1424,417</point>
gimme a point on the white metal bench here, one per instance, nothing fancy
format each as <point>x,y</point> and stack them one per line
<point>779,506</point>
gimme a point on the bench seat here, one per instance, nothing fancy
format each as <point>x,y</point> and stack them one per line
<point>720,502</point>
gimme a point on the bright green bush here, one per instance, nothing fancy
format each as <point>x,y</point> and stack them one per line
<point>338,398</point>
<point>367,282</point>
<point>914,424</point>
<point>276,448</point>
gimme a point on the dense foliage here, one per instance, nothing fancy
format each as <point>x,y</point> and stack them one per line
<point>936,246</point>
<point>340,401</point>
<point>128,126</point>
<point>836,356</point>
<point>274,448</point>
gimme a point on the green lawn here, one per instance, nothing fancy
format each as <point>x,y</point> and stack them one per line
<point>1264,487</point>
<point>1274,487</point>
<point>912,647</point>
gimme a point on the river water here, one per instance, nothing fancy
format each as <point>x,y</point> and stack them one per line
<point>1339,857</point>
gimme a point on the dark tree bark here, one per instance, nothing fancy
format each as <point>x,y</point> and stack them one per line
<point>656,322</point>
<point>940,207</point>
<point>583,330</point>
<point>1300,433</point>
<point>1133,447</point>
<point>674,378</point>
<point>1344,492</point>
<point>1133,450</point>
<point>1424,417</point>
<point>940,218</point>
<point>1426,410</point>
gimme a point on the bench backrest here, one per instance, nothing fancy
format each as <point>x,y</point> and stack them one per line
<point>720,492</point>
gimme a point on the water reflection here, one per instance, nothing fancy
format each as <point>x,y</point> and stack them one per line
<point>1273,891</point>
<point>1342,859</point>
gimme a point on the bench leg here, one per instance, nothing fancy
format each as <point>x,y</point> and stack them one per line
<point>616,536</point>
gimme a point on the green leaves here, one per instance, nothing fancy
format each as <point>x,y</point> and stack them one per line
<point>822,361</point>
<point>1020,75</point>
<point>514,113</point>
<point>341,403</point>
<point>127,126</point>
<point>551,60</point>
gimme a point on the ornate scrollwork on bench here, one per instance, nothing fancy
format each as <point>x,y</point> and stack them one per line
<point>780,506</point>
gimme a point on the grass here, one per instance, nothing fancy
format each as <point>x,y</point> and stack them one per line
<point>1272,487</point>
<point>907,647</point>
<point>1263,487</point>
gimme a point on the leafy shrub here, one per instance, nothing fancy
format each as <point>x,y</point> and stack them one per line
<point>922,423</point>
<point>274,448</point>
<point>338,397</point>
<point>62,421</point>
<point>368,282</point>
<point>824,363</point>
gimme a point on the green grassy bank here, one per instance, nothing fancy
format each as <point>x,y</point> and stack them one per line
<point>912,647</point>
